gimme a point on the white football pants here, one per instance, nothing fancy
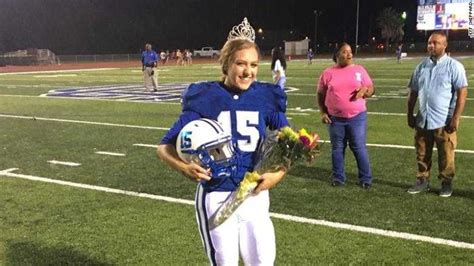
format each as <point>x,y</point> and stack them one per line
<point>248,230</point>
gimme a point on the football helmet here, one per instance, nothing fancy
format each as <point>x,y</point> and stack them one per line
<point>206,143</point>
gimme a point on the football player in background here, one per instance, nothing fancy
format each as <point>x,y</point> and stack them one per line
<point>246,108</point>
<point>310,56</point>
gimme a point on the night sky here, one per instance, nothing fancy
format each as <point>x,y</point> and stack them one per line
<point>123,26</point>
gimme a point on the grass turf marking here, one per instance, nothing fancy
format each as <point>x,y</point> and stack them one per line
<point>110,153</point>
<point>82,122</point>
<point>165,128</point>
<point>55,76</point>
<point>362,229</point>
<point>64,163</point>
<point>327,141</point>
<point>146,145</point>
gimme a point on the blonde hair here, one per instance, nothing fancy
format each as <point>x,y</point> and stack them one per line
<point>228,51</point>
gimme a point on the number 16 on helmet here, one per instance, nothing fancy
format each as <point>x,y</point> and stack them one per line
<point>206,143</point>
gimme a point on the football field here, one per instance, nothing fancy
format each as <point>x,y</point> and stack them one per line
<point>80,182</point>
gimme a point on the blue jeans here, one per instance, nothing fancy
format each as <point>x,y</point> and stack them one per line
<point>354,131</point>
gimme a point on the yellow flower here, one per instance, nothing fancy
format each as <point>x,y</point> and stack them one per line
<point>247,185</point>
<point>288,133</point>
<point>305,133</point>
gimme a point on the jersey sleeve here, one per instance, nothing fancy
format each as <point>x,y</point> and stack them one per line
<point>279,99</point>
<point>276,117</point>
<point>204,98</point>
<point>191,100</point>
<point>173,132</point>
<point>277,120</point>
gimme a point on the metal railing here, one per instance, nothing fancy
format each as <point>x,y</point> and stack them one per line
<point>99,58</point>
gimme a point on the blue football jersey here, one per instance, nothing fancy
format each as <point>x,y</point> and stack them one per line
<point>246,114</point>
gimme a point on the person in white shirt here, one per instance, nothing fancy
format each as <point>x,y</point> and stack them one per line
<point>278,67</point>
<point>163,57</point>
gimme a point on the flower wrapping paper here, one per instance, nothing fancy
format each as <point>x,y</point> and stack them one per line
<point>279,151</point>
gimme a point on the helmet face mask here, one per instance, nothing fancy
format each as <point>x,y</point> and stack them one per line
<point>221,153</point>
<point>206,143</point>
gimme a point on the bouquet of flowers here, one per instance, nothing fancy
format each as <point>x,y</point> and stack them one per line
<point>279,151</point>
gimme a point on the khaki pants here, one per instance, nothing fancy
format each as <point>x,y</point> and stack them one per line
<point>150,75</point>
<point>446,145</point>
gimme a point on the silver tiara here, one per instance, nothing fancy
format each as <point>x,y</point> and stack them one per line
<point>243,31</point>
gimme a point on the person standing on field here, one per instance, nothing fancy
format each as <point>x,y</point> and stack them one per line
<point>341,97</point>
<point>439,84</point>
<point>399,53</point>
<point>278,67</point>
<point>310,56</point>
<point>238,101</point>
<point>150,73</point>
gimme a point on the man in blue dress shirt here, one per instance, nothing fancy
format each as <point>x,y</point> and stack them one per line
<point>150,73</point>
<point>439,83</point>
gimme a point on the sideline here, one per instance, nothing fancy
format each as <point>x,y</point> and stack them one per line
<point>286,217</point>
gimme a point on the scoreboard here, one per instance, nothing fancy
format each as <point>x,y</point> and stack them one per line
<point>443,14</point>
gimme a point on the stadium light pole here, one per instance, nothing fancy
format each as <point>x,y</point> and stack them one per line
<point>404,18</point>
<point>316,15</point>
<point>357,29</point>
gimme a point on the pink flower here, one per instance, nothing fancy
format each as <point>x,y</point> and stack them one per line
<point>306,141</point>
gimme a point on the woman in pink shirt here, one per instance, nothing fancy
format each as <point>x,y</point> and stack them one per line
<point>342,90</point>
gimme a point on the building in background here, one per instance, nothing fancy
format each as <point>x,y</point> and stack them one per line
<point>296,47</point>
<point>28,57</point>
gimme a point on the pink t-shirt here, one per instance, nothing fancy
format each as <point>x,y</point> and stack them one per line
<point>340,84</point>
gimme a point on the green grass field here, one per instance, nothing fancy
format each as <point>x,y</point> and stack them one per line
<point>52,224</point>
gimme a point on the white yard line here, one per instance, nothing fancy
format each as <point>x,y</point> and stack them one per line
<point>146,145</point>
<point>8,172</point>
<point>63,163</point>
<point>370,113</point>
<point>411,147</point>
<point>110,153</point>
<point>369,99</point>
<point>159,70</point>
<point>375,231</point>
<point>401,147</point>
<point>82,122</point>
<point>165,129</point>
<point>350,227</point>
<point>161,128</point>
<point>55,76</point>
<point>327,141</point>
<point>404,114</point>
<point>27,86</point>
<point>301,114</point>
<point>375,98</point>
